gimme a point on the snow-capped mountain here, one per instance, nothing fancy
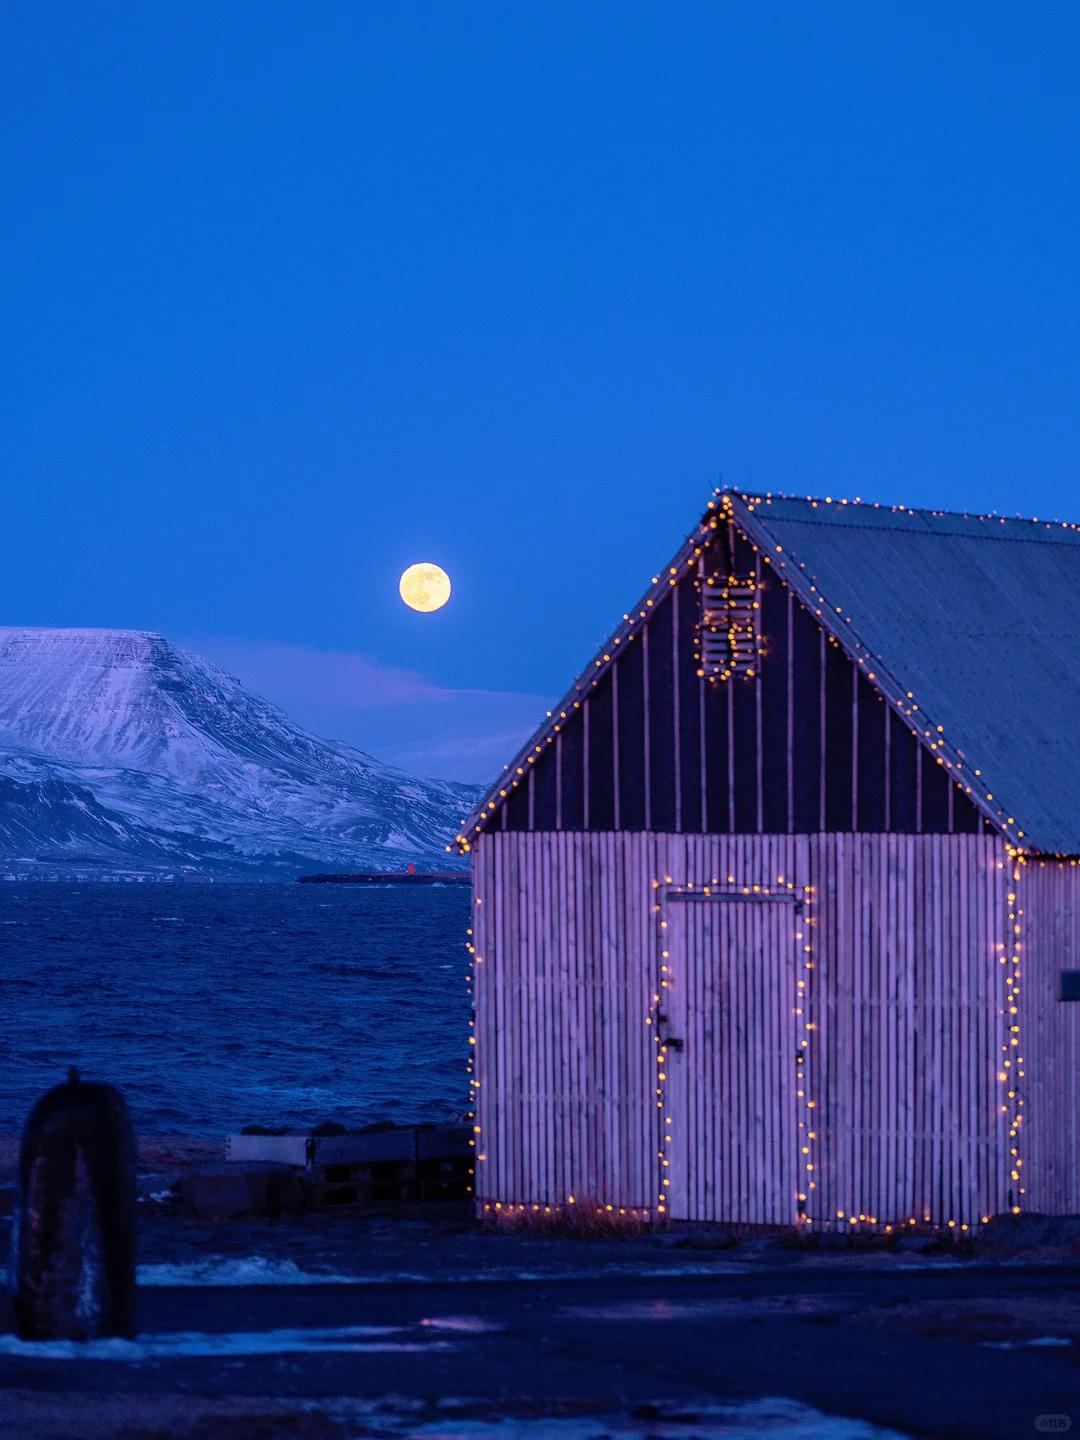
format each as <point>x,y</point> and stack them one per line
<point>119,752</point>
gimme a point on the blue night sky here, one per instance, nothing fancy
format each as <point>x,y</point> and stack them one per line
<point>297,294</point>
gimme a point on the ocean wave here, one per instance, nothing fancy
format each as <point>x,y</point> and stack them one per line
<point>208,1020</point>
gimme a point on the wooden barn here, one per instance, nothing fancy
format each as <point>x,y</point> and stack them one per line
<point>777,916</point>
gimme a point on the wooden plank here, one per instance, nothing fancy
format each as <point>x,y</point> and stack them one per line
<point>823,729</point>
<point>758,692</point>
<point>790,716</point>
<point>559,982</point>
<point>558,781</point>
<point>676,725</point>
<point>1049,1140</point>
<point>646,727</point>
<point>586,766</point>
<point>616,773</point>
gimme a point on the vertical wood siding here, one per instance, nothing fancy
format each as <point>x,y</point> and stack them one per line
<point>901,1058</point>
<point>565,943</point>
<point>807,745</point>
<point>731,1085</point>
<point>907,1003</point>
<point>1049,900</point>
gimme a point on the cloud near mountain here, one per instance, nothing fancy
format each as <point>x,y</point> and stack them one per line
<point>121,752</point>
<point>465,735</point>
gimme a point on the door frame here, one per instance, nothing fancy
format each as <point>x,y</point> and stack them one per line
<point>799,897</point>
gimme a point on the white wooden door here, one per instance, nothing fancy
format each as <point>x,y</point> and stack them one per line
<point>732,1065</point>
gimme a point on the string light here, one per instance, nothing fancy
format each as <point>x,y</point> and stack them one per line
<point>478,1157</point>
<point>1011,1074</point>
<point>727,637</point>
<point>513,1212</point>
<point>728,643</point>
<point>657,1018</point>
<point>802,1003</point>
<point>805,1102</point>
<point>737,508</point>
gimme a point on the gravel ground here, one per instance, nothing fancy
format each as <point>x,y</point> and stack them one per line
<point>421,1323</point>
<point>574,1348</point>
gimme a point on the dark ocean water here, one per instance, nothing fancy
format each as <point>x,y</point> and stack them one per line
<point>216,1006</point>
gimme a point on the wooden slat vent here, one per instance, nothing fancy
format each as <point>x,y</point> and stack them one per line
<point>730,629</point>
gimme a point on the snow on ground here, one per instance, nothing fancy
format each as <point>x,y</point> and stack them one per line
<point>343,1339</point>
<point>774,1419</point>
<point>233,1271</point>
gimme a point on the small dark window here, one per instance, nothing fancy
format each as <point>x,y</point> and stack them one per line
<point>1070,984</point>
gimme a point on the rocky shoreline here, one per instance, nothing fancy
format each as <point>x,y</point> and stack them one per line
<point>161,1157</point>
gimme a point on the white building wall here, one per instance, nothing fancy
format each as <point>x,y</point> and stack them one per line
<point>894,1110</point>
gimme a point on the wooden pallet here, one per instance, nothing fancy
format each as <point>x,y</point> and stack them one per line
<point>374,1168</point>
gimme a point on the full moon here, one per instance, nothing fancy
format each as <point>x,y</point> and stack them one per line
<point>425,586</point>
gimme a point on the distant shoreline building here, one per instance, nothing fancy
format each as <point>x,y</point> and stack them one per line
<point>777,916</point>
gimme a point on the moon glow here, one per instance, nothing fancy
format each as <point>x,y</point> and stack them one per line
<point>424,587</point>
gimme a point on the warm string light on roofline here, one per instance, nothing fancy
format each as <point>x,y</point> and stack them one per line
<point>517,771</point>
<point>766,497</point>
<point>722,506</point>
<point>922,728</point>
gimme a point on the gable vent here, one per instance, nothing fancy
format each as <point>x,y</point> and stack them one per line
<point>730,629</point>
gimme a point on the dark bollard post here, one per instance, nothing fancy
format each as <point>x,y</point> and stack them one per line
<point>74,1256</point>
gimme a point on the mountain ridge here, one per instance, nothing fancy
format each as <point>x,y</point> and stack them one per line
<point>122,752</point>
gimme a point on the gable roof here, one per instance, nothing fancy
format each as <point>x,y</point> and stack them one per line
<point>969,625</point>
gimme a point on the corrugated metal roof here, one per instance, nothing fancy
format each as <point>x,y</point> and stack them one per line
<point>970,623</point>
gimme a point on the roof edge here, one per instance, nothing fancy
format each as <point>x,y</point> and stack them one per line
<point>757,498</point>
<point>843,630</point>
<point>544,734</point>
<point>742,508</point>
